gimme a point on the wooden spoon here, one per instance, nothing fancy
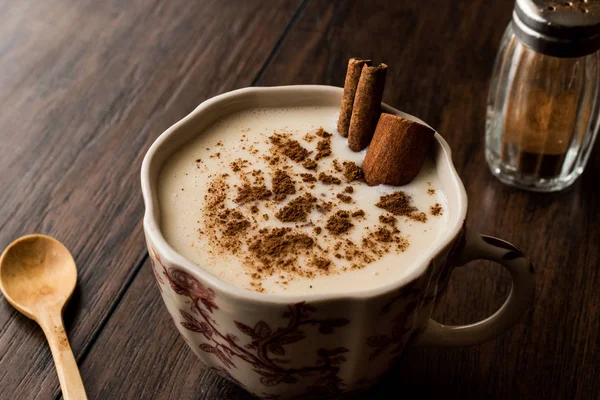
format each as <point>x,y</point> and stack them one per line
<point>38,276</point>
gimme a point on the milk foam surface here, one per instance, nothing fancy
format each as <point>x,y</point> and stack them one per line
<point>187,174</point>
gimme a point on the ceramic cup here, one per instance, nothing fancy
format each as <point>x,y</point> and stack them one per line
<point>319,345</point>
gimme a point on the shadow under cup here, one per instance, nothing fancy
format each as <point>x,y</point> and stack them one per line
<point>318,346</point>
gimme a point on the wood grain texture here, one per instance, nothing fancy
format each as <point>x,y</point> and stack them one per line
<point>132,80</point>
<point>150,360</point>
<point>85,88</point>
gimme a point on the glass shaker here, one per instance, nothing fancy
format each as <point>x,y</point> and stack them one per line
<point>543,106</point>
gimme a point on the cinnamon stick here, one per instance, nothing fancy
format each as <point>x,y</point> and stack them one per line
<point>355,66</point>
<point>367,106</point>
<point>397,151</point>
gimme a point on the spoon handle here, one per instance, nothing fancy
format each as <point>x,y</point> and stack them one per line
<point>66,366</point>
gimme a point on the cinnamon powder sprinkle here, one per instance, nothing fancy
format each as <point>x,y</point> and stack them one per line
<point>233,222</point>
<point>336,165</point>
<point>323,148</point>
<point>420,217</point>
<point>324,206</point>
<point>353,172</point>
<point>383,235</point>
<point>297,209</point>
<point>329,179</point>
<point>248,193</point>
<point>309,164</point>
<point>431,191</point>
<point>238,164</point>
<point>282,185</point>
<point>272,160</point>
<point>321,262</point>
<point>339,223</point>
<point>258,176</point>
<point>217,193</point>
<point>436,210</point>
<point>308,178</point>
<point>322,133</point>
<point>399,203</point>
<point>358,213</point>
<point>289,147</point>
<point>308,137</point>
<point>349,189</point>
<point>344,198</point>
<point>387,219</point>
<point>278,247</point>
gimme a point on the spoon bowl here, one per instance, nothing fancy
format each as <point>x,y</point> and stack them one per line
<point>37,271</point>
<point>38,276</point>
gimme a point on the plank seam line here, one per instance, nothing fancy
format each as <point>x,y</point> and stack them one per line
<point>286,32</point>
<point>100,328</point>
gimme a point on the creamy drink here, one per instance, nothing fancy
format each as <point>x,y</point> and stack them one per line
<point>273,200</point>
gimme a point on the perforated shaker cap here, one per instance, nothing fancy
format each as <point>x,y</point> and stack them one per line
<point>558,28</point>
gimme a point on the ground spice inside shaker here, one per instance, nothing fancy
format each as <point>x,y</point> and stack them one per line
<point>538,129</point>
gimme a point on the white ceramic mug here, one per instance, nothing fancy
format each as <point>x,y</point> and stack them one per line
<point>319,345</point>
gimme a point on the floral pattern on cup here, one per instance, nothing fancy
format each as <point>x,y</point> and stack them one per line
<point>267,347</point>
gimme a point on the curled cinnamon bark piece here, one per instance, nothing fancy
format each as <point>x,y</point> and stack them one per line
<point>397,151</point>
<point>355,66</point>
<point>367,106</point>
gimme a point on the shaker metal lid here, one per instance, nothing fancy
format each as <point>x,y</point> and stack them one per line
<point>558,28</point>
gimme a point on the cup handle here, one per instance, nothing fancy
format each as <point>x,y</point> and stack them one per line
<point>483,247</point>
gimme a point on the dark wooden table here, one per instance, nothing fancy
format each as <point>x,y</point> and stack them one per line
<point>86,86</point>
